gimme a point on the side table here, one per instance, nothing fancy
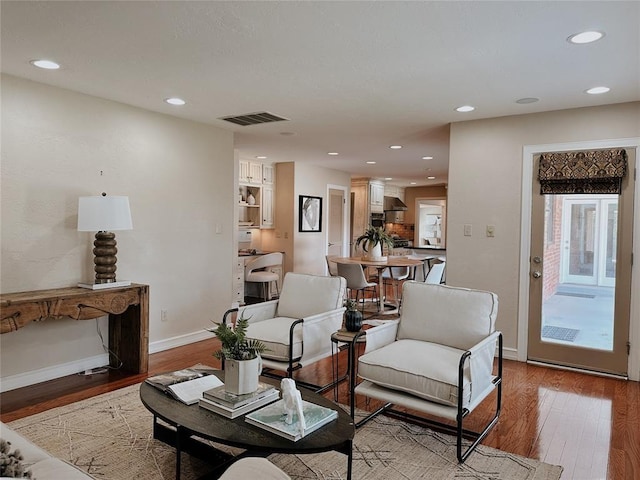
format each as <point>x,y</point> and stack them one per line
<point>352,340</point>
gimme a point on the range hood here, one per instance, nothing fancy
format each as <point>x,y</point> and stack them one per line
<point>394,204</point>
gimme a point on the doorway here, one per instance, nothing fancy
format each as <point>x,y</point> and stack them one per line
<point>580,277</point>
<point>336,221</point>
<point>431,222</point>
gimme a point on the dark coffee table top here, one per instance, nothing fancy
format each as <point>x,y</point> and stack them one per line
<point>336,435</point>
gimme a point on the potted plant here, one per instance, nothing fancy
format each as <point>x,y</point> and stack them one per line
<point>241,356</point>
<point>352,316</point>
<point>372,241</point>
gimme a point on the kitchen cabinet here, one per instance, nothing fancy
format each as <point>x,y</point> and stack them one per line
<point>250,172</point>
<point>238,282</point>
<point>376,196</point>
<point>257,180</point>
<point>367,198</point>
<point>268,174</point>
<point>249,211</point>
<point>267,207</point>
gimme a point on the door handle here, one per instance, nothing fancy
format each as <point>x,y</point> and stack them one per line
<point>536,274</point>
<point>331,244</point>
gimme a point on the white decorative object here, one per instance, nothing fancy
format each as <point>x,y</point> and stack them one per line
<point>241,376</point>
<point>251,200</point>
<point>375,253</point>
<point>292,403</point>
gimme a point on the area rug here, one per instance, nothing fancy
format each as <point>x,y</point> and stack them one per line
<point>109,436</point>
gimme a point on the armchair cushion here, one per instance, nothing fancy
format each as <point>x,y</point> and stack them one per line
<point>426,370</point>
<point>440,314</point>
<point>306,295</point>
<point>274,333</point>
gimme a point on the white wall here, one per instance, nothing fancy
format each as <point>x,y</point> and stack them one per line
<point>485,173</point>
<point>310,247</point>
<point>58,145</point>
<point>304,251</point>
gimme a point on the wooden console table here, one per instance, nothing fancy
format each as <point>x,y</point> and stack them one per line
<point>127,307</point>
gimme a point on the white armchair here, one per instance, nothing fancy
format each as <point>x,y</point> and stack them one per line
<point>437,359</point>
<point>297,327</point>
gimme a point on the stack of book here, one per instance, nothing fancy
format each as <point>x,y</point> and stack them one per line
<point>230,405</point>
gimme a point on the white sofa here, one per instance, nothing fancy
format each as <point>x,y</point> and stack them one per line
<point>43,466</point>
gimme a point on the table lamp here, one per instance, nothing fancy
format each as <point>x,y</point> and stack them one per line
<point>103,214</point>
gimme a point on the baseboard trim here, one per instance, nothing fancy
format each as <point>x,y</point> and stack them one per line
<point>510,353</point>
<point>50,373</point>
<point>179,341</point>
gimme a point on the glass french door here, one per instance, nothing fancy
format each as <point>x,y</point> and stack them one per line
<point>580,278</point>
<point>589,238</point>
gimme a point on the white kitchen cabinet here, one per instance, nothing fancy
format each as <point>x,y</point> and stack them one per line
<point>267,206</point>
<point>238,282</point>
<point>376,196</point>
<point>249,172</point>
<point>268,174</point>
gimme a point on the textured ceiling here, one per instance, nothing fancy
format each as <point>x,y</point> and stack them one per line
<point>352,77</point>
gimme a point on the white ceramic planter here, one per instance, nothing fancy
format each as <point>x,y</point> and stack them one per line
<point>241,376</point>
<point>375,253</point>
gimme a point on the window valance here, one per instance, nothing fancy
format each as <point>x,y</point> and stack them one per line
<point>593,171</point>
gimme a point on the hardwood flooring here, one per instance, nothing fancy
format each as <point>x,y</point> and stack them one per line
<point>590,425</point>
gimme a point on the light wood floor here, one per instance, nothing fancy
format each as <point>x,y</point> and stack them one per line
<point>590,425</point>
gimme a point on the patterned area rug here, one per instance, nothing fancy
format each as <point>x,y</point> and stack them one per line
<point>110,437</point>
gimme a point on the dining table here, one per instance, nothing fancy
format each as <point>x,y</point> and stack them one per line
<point>381,266</point>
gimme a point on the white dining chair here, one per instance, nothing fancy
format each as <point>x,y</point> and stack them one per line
<point>436,274</point>
<point>257,271</point>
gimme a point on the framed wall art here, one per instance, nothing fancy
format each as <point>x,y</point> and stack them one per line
<point>309,214</point>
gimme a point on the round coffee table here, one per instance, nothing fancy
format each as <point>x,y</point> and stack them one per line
<point>191,422</point>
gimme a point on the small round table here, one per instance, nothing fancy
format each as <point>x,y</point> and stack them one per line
<point>352,340</point>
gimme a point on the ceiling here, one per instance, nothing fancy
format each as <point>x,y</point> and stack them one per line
<point>350,77</point>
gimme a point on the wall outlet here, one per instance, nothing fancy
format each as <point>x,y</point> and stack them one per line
<point>164,316</point>
<point>467,230</point>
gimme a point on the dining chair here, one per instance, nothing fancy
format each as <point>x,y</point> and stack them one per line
<point>436,274</point>
<point>395,276</point>
<point>331,266</point>
<point>354,275</point>
<point>257,271</point>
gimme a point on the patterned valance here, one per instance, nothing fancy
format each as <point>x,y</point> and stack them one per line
<point>594,171</point>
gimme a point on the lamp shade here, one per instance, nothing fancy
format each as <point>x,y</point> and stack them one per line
<point>104,213</point>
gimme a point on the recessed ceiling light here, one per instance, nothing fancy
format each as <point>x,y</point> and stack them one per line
<point>261,157</point>
<point>585,37</point>
<point>597,90</point>
<point>412,183</point>
<point>175,101</point>
<point>332,153</point>
<point>395,147</point>
<point>46,64</point>
<point>465,108</point>
<point>388,178</point>
<point>371,163</point>
<point>427,158</point>
<point>525,100</point>
<point>431,178</point>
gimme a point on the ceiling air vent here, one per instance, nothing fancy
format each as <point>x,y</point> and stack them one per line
<point>253,118</point>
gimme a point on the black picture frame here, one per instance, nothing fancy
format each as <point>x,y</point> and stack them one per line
<point>309,213</point>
